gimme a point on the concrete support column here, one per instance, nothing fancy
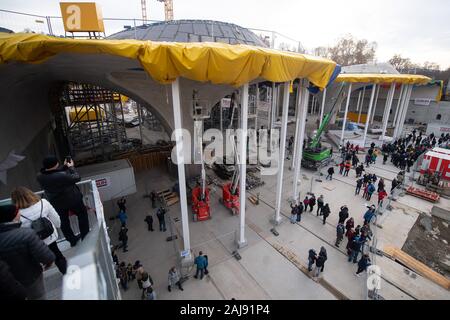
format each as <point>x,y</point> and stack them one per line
<point>362,103</point>
<point>277,218</point>
<point>180,165</point>
<point>324,96</point>
<point>366,127</point>
<point>273,110</point>
<point>345,112</point>
<point>405,110</point>
<point>303,110</point>
<point>400,111</point>
<point>399,102</point>
<point>297,125</point>
<point>243,164</point>
<point>375,104</point>
<point>359,100</point>
<point>387,110</point>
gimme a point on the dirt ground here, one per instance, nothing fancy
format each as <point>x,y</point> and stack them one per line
<point>430,247</point>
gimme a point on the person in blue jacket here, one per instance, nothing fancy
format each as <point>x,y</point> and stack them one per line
<point>123,218</point>
<point>368,216</point>
<point>201,263</point>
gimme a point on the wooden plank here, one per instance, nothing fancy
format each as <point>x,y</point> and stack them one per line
<point>417,266</point>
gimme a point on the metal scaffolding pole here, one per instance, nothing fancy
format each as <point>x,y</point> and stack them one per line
<point>243,165</point>
<point>303,110</point>
<point>345,113</point>
<point>284,119</point>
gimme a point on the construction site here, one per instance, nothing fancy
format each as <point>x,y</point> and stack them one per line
<point>207,121</point>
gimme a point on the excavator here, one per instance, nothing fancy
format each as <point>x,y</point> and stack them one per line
<point>315,155</point>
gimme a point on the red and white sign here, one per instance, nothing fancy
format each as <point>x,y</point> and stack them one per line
<point>102,182</point>
<point>437,161</point>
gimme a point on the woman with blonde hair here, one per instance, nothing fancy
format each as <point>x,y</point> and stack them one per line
<point>32,208</point>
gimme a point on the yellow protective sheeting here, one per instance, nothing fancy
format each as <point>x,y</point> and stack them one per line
<point>382,78</point>
<point>218,63</point>
<point>83,114</point>
<point>353,116</point>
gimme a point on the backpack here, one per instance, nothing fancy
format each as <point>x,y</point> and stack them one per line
<point>42,226</point>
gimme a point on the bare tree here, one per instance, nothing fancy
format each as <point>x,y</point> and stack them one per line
<point>349,51</point>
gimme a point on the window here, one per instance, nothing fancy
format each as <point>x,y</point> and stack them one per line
<point>438,117</point>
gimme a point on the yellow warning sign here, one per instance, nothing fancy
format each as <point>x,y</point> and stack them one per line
<point>82,17</point>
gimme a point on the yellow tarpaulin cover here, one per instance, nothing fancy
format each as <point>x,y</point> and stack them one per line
<point>382,78</point>
<point>165,61</point>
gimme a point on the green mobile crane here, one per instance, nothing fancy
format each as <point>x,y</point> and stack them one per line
<point>314,155</point>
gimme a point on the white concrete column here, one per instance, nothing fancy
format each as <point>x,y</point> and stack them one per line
<point>375,104</point>
<point>297,125</point>
<point>372,96</point>
<point>405,110</point>
<point>359,100</point>
<point>303,110</point>
<point>400,96</point>
<point>243,164</point>
<point>387,109</point>
<point>221,117</point>
<point>345,113</point>
<point>256,104</point>
<point>400,110</point>
<point>362,103</point>
<point>324,96</point>
<point>284,119</point>
<point>273,111</point>
<point>180,165</point>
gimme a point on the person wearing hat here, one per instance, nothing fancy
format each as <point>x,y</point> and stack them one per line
<point>24,252</point>
<point>59,184</point>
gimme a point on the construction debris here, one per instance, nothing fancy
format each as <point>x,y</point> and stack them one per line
<point>167,197</point>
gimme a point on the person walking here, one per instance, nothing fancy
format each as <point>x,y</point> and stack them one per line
<point>139,271</point>
<point>153,199</point>
<point>24,253</point>
<point>148,293</point>
<point>123,237</point>
<point>174,279</point>
<point>294,212</point>
<point>355,249</point>
<point>349,225</point>
<point>312,257</point>
<point>363,263</point>
<point>394,184</point>
<point>330,173</point>
<point>325,212</point>
<point>59,184</point>
<point>381,195</point>
<point>200,263</point>
<point>149,220</point>
<point>300,211</point>
<point>312,203</point>
<point>160,213</point>
<point>121,203</point>
<point>348,165</point>
<point>380,185</point>
<point>320,262</point>
<point>359,184</point>
<point>370,191</point>
<point>341,167</point>
<point>123,217</point>
<point>343,214</point>
<point>368,216</point>
<point>306,203</point>
<point>32,210</point>
<point>320,204</point>
<point>340,230</point>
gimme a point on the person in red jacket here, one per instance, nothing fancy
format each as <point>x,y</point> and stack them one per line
<point>381,195</point>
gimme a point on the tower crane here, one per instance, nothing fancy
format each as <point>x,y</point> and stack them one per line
<point>168,10</point>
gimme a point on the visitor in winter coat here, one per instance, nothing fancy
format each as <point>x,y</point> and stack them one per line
<point>306,203</point>
<point>330,173</point>
<point>24,253</point>
<point>300,211</point>
<point>31,208</point>
<point>368,216</point>
<point>312,203</point>
<point>320,204</point>
<point>363,263</point>
<point>359,184</point>
<point>340,230</point>
<point>294,212</point>
<point>149,220</point>
<point>343,214</point>
<point>320,262</point>
<point>174,279</point>
<point>312,256</point>
<point>355,249</point>
<point>381,195</point>
<point>350,224</point>
<point>325,212</point>
<point>200,262</point>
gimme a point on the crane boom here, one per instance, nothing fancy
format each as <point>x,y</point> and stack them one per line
<point>168,9</point>
<point>325,121</point>
<point>144,11</point>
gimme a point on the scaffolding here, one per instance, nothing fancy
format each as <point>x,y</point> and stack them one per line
<point>92,119</point>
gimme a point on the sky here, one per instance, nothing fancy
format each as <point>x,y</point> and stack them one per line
<point>417,29</point>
